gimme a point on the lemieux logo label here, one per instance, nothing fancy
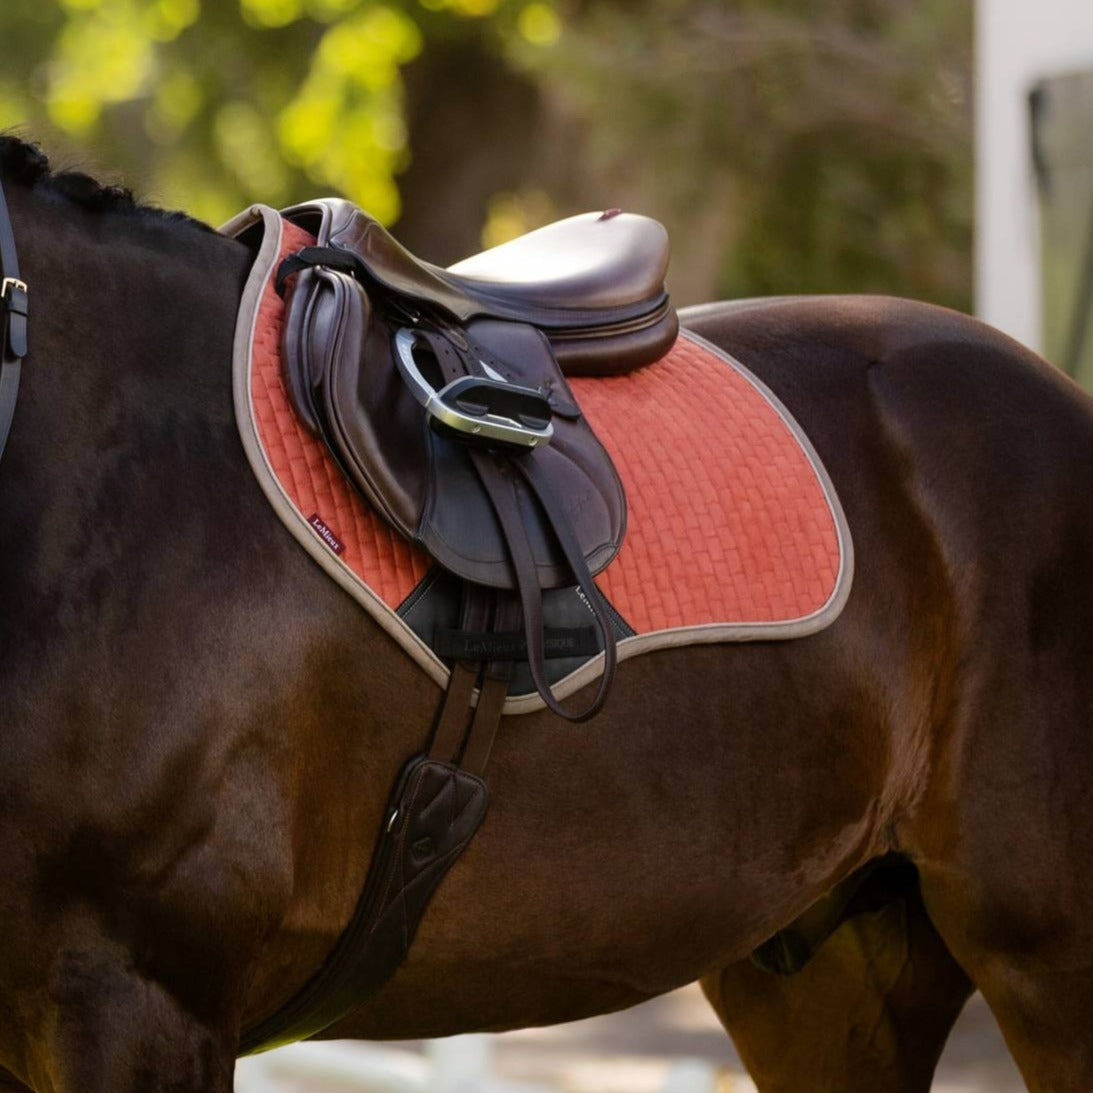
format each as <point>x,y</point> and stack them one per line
<point>327,536</point>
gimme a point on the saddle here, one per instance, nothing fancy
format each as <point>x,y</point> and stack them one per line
<point>442,394</point>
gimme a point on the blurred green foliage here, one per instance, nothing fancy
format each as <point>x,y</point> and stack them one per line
<point>791,146</point>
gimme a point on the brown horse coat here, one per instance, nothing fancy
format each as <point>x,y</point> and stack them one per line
<point>198,729</point>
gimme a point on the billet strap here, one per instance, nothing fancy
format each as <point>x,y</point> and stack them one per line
<point>451,723</point>
<point>13,322</point>
<point>491,697</point>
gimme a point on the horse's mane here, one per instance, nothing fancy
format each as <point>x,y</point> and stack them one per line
<point>26,164</point>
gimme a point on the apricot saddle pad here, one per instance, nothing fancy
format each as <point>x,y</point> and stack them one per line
<point>734,530</point>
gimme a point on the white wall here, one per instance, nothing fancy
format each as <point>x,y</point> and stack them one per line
<point>1017,43</point>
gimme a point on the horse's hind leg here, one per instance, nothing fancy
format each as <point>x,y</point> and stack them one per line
<point>1002,838</point>
<point>110,1029</point>
<point>1026,939</point>
<point>870,1011</point>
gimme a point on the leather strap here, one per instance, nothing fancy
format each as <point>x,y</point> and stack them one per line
<point>451,724</point>
<point>13,322</point>
<point>487,719</point>
<point>491,698</point>
<point>497,473</point>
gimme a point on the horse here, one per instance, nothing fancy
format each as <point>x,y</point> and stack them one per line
<point>199,729</point>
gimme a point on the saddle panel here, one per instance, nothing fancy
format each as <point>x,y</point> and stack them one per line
<point>614,351</point>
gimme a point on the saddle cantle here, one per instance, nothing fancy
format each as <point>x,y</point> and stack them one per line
<point>442,396</point>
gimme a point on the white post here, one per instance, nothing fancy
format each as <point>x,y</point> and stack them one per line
<point>1017,43</point>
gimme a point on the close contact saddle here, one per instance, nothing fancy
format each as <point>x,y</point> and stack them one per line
<point>442,396</point>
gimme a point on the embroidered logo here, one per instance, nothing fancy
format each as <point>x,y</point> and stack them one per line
<point>324,533</point>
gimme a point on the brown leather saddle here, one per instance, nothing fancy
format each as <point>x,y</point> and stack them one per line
<point>442,395</point>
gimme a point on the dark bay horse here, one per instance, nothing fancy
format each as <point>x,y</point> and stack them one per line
<point>198,729</point>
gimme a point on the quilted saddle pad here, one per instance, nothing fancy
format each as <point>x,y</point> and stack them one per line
<point>734,530</point>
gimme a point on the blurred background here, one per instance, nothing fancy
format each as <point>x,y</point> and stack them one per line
<point>789,145</point>
<point>938,149</point>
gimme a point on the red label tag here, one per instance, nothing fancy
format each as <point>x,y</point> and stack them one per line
<point>324,533</point>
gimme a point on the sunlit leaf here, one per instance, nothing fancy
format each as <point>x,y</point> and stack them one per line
<point>101,57</point>
<point>474,9</point>
<point>164,20</point>
<point>271,13</point>
<point>175,103</point>
<point>245,142</point>
<point>539,24</point>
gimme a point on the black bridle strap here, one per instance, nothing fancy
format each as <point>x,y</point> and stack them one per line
<point>13,322</point>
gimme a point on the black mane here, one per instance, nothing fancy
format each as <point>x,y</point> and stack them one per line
<point>26,164</point>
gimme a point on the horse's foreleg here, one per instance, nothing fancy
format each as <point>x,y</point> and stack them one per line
<point>871,1010</point>
<point>112,1029</point>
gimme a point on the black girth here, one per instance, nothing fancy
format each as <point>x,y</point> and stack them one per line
<point>13,322</point>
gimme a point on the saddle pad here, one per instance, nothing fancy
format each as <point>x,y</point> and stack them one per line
<point>734,530</point>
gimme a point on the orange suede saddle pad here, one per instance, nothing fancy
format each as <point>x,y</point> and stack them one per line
<point>734,531</point>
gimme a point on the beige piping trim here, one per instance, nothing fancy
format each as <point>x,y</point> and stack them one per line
<point>712,633</point>
<point>423,656</point>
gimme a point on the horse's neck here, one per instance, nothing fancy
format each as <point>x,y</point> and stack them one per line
<point>128,308</point>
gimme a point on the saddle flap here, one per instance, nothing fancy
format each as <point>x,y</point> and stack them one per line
<point>341,373</point>
<point>341,381</point>
<point>574,461</point>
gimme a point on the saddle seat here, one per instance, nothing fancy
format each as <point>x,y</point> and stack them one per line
<point>594,283</point>
<point>595,260</point>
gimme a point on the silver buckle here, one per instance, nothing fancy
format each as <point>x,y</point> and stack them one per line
<point>10,283</point>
